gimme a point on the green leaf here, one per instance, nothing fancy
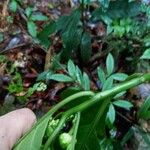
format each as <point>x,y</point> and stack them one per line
<point>33,140</point>
<point>143,135</point>
<point>111,114</point>
<point>71,40</point>
<point>42,76</point>
<point>86,48</point>
<point>28,11</point>
<point>13,6</point>
<point>101,75</point>
<point>108,84</point>
<point>38,17</point>
<point>127,136</point>
<point>91,126</point>
<point>71,68</point>
<point>32,28</point>
<point>110,64</point>
<point>104,3</point>
<point>146,54</point>
<point>79,75</point>
<point>61,78</point>
<point>119,95</point>
<point>86,82</point>
<point>43,36</point>
<point>120,76</point>
<point>123,104</point>
<point>1,37</point>
<point>144,111</point>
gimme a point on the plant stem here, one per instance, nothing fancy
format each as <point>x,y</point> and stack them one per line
<point>56,108</point>
<point>97,98</point>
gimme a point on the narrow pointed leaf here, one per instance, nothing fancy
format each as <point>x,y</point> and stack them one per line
<point>60,78</point>
<point>123,103</point>
<point>71,68</point>
<point>110,64</point>
<point>111,114</point>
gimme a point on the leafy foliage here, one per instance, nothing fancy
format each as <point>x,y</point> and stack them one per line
<point>144,110</point>
<point>90,115</point>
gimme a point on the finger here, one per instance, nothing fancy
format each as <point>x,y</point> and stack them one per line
<point>13,125</point>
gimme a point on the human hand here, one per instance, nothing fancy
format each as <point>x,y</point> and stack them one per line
<point>13,125</point>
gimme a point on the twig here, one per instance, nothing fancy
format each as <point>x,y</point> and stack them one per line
<point>11,48</point>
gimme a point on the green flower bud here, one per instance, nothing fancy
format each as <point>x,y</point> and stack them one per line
<point>65,140</point>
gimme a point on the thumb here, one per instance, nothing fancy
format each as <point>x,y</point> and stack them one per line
<point>13,125</point>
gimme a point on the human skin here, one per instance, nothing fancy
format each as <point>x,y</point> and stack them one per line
<point>14,125</point>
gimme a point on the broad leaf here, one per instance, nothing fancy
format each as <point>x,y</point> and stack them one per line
<point>60,78</point>
<point>146,54</point>
<point>38,17</point>
<point>86,48</point>
<point>86,82</point>
<point>71,40</point>
<point>13,6</point>
<point>71,68</point>
<point>108,84</point>
<point>118,9</point>
<point>101,75</point>
<point>123,104</point>
<point>32,28</point>
<point>43,36</point>
<point>33,140</point>
<point>120,76</point>
<point>144,111</point>
<point>104,3</point>
<point>111,114</point>
<point>79,75</point>
<point>28,11</point>
<point>92,125</point>
<point>110,64</point>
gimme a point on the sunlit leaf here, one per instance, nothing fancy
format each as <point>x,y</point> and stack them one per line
<point>111,115</point>
<point>60,78</point>
<point>71,68</point>
<point>146,54</point>
<point>110,64</point>
<point>108,84</point>
<point>39,17</point>
<point>120,76</point>
<point>101,75</point>
<point>86,81</point>
<point>32,28</point>
<point>13,6</point>
<point>123,103</point>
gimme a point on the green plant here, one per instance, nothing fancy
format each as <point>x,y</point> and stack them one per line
<point>30,15</point>
<point>73,33</point>
<point>88,128</point>
<point>31,18</point>
<point>16,85</point>
<point>13,5</point>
